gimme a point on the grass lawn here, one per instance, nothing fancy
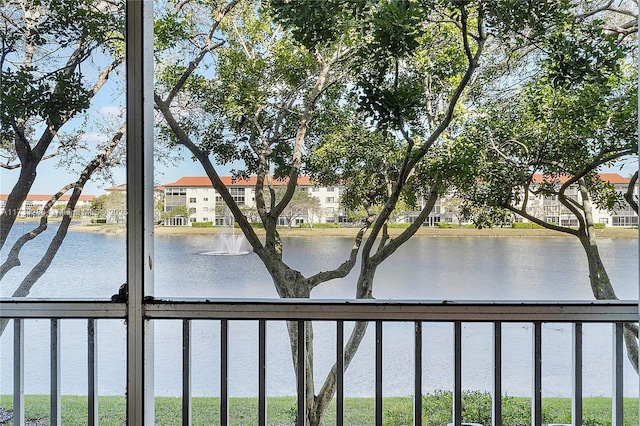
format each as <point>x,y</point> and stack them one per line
<point>351,231</point>
<point>358,411</point>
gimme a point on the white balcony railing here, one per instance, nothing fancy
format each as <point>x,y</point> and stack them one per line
<point>377,312</point>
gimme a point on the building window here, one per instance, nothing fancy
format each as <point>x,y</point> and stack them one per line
<point>205,209</point>
<point>205,199</point>
<point>192,219</point>
<point>329,200</point>
<point>175,197</point>
<point>330,189</point>
<point>315,189</point>
<point>568,221</point>
<point>238,195</point>
<point>176,191</point>
<point>624,221</point>
<point>192,200</point>
<point>553,219</point>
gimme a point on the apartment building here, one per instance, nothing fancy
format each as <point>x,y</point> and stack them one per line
<point>204,204</point>
<point>34,204</point>
<point>552,211</point>
<point>158,191</point>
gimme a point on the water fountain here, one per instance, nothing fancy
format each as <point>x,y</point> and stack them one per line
<point>229,244</point>
<point>233,244</point>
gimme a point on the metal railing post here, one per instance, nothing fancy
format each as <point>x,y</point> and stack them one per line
<point>457,373</point>
<point>576,397</point>
<point>18,372</point>
<point>301,374</point>
<point>536,399</point>
<point>617,409</point>
<point>224,373</point>
<point>497,375</point>
<point>262,372</point>
<point>417,375</point>
<point>378,373</point>
<point>186,373</point>
<point>339,373</point>
<point>92,372</point>
<point>55,404</point>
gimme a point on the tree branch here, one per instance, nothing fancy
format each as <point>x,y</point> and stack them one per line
<point>186,141</point>
<point>629,196</point>
<point>208,47</point>
<point>95,164</point>
<point>346,267</point>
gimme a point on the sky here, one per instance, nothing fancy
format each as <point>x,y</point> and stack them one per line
<point>51,177</point>
<point>104,116</point>
<point>107,112</point>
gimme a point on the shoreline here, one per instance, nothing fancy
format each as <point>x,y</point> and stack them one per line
<point>433,232</point>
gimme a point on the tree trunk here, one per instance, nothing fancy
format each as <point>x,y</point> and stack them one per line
<point>41,267</point>
<point>316,405</point>
<point>603,290</point>
<point>16,198</point>
<point>364,291</point>
<point>599,279</point>
<point>629,195</point>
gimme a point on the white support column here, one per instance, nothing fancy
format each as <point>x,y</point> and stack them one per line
<point>638,158</point>
<point>139,42</point>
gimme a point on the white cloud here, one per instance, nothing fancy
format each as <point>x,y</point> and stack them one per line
<point>94,137</point>
<point>111,110</point>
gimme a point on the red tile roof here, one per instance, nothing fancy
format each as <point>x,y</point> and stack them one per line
<point>37,197</point>
<point>123,187</point>
<point>204,181</point>
<point>607,177</point>
<point>614,178</point>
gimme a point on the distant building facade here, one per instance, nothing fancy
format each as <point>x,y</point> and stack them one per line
<point>552,211</point>
<point>117,212</point>
<point>33,205</point>
<point>158,191</point>
<point>204,204</point>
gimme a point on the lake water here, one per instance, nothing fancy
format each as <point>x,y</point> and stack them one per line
<point>93,266</point>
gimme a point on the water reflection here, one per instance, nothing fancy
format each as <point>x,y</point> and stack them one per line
<point>93,265</point>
